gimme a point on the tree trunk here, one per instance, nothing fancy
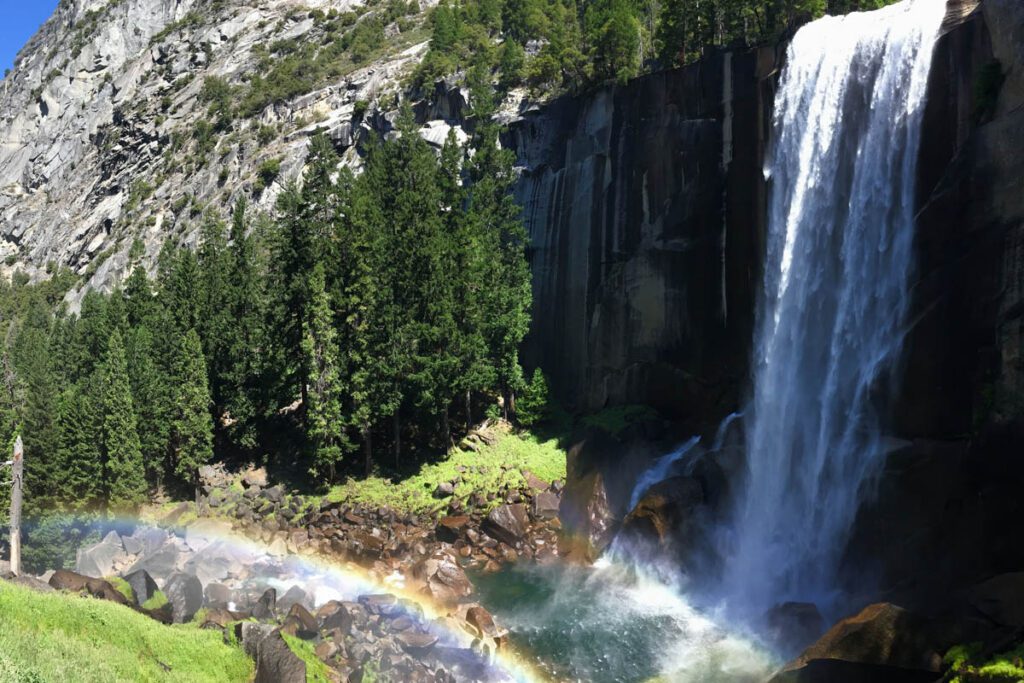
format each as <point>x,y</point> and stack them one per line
<point>446,429</point>
<point>368,448</point>
<point>195,483</point>
<point>17,469</point>
<point>469,411</point>
<point>396,426</point>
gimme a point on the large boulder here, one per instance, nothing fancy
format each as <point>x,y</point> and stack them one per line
<point>337,615</point>
<point>294,596</point>
<point>586,517</point>
<point>1001,599</point>
<point>671,516</point>
<point>276,663</point>
<point>445,580</point>
<point>301,623</point>
<point>63,579</point>
<point>101,558</point>
<point>161,561</point>
<point>665,510</point>
<point>450,529</point>
<point>266,606</point>
<point>507,523</point>
<point>882,642</point>
<point>545,505</point>
<point>250,634</point>
<point>185,595</point>
<point>792,626</point>
<point>142,585</point>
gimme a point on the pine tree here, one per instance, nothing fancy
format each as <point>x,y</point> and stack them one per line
<point>215,320</point>
<point>140,303</point>
<point>151,396</point>
<point>243,369</point>
<point>124,472</point>
<point>192,423</point>
<point>325,429</point>
<point>305,225</point>
<point>91,337</point>
<point>78,450</point>
<point>37,402</point>
<point>533,408</point>
<point>506,298</point>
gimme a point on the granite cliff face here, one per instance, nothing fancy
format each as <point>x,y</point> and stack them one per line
<point>948,503</point>
<point>645,204</point>
<point>105,129</point>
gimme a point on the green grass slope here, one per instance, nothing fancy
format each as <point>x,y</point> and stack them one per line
<point>489,469</point>
<point>53,638</point>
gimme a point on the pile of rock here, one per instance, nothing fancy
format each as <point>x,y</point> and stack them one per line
<point>478,530</point>
<point>207,579</point>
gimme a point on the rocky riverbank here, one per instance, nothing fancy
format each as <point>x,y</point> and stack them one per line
<point>363,591</point>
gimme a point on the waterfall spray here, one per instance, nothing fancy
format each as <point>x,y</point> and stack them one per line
<point>830,324</point>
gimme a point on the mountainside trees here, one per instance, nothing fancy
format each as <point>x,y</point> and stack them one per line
<point>575,45</point>
<point>348,332</point>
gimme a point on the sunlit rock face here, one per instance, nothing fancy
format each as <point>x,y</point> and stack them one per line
<point>99,122</point>
<point>644,205</point>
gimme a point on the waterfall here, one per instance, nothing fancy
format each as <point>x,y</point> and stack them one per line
<point>659,470</point>
<point>830,324</point>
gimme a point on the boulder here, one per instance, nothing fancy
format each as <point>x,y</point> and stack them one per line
<point>266,605</point>
<point>276,663</point>
<point>336,615</point>
<point>448,583</point>
<point>29,582</point>
<point>161,562</point>
<point>381,603</point>
<point>255,478</point>
<point>450,528</point>
<point>275,494</point>
<point>586,517</point>
<point>100,559</point>
<point>444,490</point>
<point>883,642</point>
<point>221,618</point>
<point>792,626</point>
<point>294,596</point>
<point>63,579</point>
<point>217,595</point>
<point>534,482</point>
<point>507,523</point>
<point>415,643</point>
<point>142,585</point>
<point>1001,599</point>
<point>545,505</point>
<point>133,545</point>
<point>481,619</point>
<point>300,623</point>
<point>250,634</point>
<point>185,595</point>
<point>665,511</point>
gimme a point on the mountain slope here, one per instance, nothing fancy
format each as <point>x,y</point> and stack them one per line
<point>114,124</point>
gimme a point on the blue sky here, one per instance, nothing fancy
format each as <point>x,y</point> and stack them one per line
<point>19,20</point>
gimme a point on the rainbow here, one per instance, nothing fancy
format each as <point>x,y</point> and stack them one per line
<point>328,579</point>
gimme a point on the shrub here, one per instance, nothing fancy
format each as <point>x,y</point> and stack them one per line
<point>533,406</point>
<point>267,173</point>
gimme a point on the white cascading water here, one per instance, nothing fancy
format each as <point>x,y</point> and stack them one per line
<point>831,322</point>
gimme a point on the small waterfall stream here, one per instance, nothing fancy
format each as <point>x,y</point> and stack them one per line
<point>831,320</point>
